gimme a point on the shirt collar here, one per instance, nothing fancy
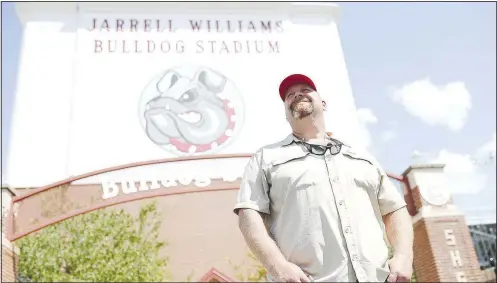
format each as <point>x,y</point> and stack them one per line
<point>292,138</point>
<point>289,140</point>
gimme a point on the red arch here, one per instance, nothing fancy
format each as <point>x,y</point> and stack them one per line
<point>12,236</point>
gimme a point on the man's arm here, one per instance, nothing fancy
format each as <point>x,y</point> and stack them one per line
<point>398,222</point>
<point>260,243</point>
<point>253,200</point>
<point>398,226</point>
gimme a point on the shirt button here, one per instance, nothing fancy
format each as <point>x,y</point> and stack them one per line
<point>347,229</point>
<point>341,202</point>
<point>355,257</point>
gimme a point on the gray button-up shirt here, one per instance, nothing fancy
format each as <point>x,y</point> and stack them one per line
<point>323,212</point>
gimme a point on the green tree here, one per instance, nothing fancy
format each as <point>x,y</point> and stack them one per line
<point>252,271</point>
<point>101,246</point>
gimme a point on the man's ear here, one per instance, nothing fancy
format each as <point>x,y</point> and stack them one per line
<point>324,105</point>
<point>286,114</point>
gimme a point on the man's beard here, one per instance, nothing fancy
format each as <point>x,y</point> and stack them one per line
<point>300,109</point>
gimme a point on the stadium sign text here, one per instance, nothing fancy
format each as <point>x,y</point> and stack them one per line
<point>147,36</point>
<point>111,189</point>
<point>455,255</point>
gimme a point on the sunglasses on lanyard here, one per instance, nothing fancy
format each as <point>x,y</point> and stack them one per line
<point>334,146</point>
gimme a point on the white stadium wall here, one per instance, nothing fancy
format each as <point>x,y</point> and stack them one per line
<point>102,84</point>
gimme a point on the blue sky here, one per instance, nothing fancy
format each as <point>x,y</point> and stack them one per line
<point>423,76</point>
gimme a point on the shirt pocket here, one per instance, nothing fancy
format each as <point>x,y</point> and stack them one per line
<point>293,181</point>
<point>361,172</point>
<point>286,165</point>
<point>285,154</point>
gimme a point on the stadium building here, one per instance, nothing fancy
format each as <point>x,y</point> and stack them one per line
<point>157,101</point>
<point>484,239</point>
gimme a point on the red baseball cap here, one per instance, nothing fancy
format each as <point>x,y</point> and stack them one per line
<point>293,80</point>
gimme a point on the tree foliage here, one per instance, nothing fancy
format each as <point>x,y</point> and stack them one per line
<point>250,270</point>
<point>101,246</point>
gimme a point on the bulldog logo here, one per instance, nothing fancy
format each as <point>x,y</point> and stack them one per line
<point>191,111</point>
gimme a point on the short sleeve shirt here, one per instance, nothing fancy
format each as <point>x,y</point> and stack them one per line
<point>323,212</point>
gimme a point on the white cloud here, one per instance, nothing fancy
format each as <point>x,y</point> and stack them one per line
<point>366,117</point>
<point>393,123</point>
<point>466,173</point>
<point>480,214</point>
<point>447,105</point>
<point>488,218</point>
<point>388,135</point>
<point>486,152</point>
<point>463,176</point>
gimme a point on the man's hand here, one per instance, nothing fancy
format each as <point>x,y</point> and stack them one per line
<point>288,272</point>
<point>400,268</point>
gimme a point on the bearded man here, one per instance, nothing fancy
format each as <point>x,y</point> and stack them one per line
<point>312,208</point>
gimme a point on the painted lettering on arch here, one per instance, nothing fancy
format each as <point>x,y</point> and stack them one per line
<point>112,189</point>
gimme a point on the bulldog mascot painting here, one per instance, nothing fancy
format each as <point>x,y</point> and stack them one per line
<point>191,114</point>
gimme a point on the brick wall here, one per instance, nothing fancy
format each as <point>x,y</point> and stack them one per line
<point>432,258</point>
<point>9,264</point>
<point>489,275</point>
<point>424,261</point>
<point>416,198</point>
<point>9,259</point>
<point>9,252</point>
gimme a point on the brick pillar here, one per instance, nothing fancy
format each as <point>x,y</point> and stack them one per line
<point>9,251</point>
<point>443,248</point>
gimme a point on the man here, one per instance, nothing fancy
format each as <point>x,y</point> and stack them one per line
<point>325,204</point>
